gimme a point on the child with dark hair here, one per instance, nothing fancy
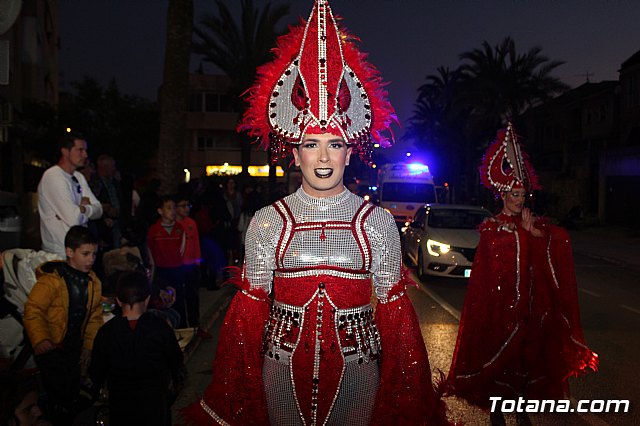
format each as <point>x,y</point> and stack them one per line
<point>166,240</point>
<point>19,401</point>
<point>138,356</point>
<point>62,316</point>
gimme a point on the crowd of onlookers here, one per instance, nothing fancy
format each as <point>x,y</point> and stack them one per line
<point>125,247</point>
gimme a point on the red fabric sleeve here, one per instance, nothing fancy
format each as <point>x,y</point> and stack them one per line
<point>236,393</point>
<point>406,395</point>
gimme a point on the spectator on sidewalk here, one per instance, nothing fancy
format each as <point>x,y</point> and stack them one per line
<point>190,260</point>
<point>107,190</point>
<point>210,214</point>
<point>149,199</point>
<point>19,401</point>
<point>166,241</point>
<point>138,356</point>
<point>61,317</point>
<point>231,237</point>
<point>88,171</point>
<point>64,196</point>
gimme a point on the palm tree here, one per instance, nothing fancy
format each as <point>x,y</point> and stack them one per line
<point>459,111</point>
<point>173,93</point>
<point>498,83</point>
<point>238,49</point>
<point>438,122</point>
<point>437,106</point>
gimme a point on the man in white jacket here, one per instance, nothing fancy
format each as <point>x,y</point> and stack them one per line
<point>64,196</point>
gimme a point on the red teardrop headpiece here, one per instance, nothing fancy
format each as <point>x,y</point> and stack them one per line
<point>506,166</point>
<point>318,83</point>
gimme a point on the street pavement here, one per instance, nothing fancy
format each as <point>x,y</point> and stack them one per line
<point>613,244</point>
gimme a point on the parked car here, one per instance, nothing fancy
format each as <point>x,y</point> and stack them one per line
<point>442,239</point>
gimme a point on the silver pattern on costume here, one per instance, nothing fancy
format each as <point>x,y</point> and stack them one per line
<point>359,337</point>
<point>339,236</point>
<point>339,251</point>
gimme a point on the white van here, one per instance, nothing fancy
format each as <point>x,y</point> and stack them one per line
<point>405,187</point>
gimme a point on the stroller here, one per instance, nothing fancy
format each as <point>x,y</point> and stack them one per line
<point>19,266</point>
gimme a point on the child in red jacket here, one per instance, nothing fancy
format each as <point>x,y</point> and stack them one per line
<point>190,260</point>
<point>166,240</point>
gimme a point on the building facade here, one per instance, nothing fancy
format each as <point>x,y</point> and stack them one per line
<point>213,147</point>
<point>29,43</point>
<point>620,164</point>
<point>586,148</point>
<point>28,73</point>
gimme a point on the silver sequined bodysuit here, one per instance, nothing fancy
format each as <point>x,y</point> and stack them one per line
<point>321,345</point>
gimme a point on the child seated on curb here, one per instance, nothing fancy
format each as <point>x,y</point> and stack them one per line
<point>137,354</point>
<point>62,316</point>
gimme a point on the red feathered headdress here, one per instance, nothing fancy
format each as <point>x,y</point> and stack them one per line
<point>505,166</point>
<point>318,83</point>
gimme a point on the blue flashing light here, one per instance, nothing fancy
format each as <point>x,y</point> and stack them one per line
<point>418,168</point>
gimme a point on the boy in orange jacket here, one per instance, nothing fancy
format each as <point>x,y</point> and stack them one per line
<point>62,316</point>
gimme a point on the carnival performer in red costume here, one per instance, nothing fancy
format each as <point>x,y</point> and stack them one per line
<point>319,355</point>
<point>520,332</point>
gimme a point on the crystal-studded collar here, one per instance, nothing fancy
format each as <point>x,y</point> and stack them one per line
<point>322,201</point>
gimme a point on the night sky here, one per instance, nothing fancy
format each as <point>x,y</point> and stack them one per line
<point>406,39</point>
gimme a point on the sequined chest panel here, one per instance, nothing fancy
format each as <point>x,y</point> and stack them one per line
<point>312,243</point>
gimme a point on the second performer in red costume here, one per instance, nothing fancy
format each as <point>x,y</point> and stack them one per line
<point>520,332</point>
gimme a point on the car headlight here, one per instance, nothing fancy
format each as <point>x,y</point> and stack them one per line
<point>436,248</point>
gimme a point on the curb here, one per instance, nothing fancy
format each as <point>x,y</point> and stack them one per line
<point>210,317</point>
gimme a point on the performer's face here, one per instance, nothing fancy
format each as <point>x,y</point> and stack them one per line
<point>514,201</point>
<point>322,159</point>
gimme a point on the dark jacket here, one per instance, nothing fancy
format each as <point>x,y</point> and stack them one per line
<point>138,366</point>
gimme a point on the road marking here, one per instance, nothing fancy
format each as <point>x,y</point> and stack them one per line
<point>590,293</point>
<point>446,306</point>
<point>629,308</point>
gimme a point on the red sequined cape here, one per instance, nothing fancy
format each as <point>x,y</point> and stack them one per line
<point>520,332</point>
